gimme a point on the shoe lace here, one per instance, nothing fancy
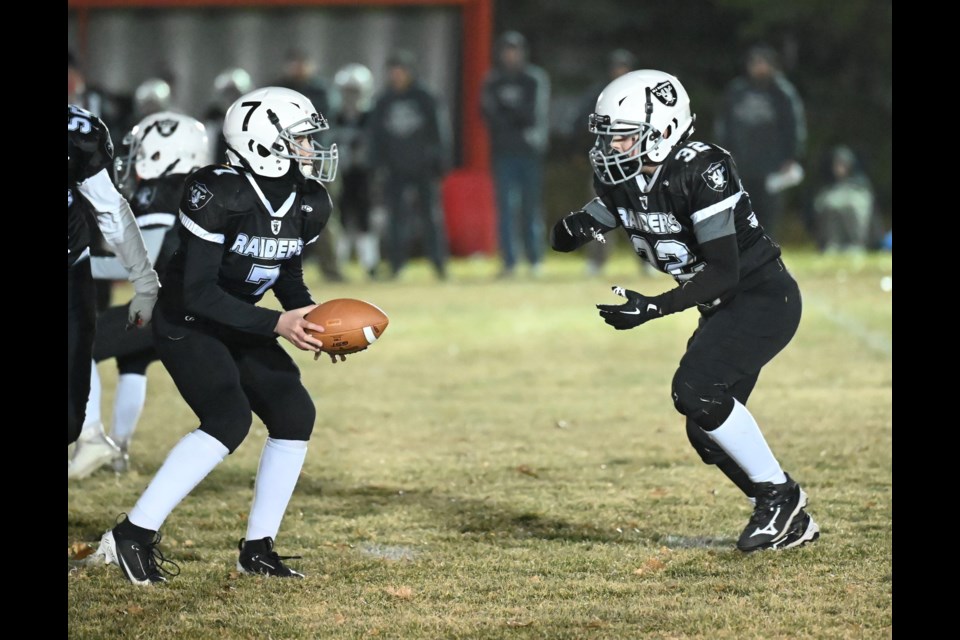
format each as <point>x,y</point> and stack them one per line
<point>277,559</point>
<point>156,560</point>
<point>767,498</point>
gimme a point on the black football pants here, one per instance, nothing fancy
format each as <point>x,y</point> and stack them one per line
<point>224,378</point>
<point>81,325</point>
<point>133,349</point>
<point>724,357</point>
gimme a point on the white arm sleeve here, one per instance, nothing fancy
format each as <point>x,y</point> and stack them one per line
<point>120,230</point>
<point>110,268</point>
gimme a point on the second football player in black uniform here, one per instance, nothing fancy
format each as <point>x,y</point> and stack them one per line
<point>162,149</point>
<point>243,230</point>
<point>89,154</point>
<point>684,209</point>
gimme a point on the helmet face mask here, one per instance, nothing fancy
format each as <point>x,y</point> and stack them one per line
<point>300,144</point>
<point>162,144</point>
<point>650,106</point>
<point>265,131</point>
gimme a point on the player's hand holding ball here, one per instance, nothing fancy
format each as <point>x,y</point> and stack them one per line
<point>294,326</point>
<point>347,326</point>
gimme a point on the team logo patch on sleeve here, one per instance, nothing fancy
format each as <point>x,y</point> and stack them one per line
<point>665,93</point>
<point>199,196</point>
<point>715,176</point>
<point>145,196</point>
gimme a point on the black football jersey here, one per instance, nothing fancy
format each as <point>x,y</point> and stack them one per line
<point>156,205</point>
<point>695,196</point>
<point>89,151</point>
<point>224,205</point>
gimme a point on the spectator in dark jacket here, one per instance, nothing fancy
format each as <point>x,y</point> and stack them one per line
<point>409,151</point>
<point>515,103</point>
<point>762,124</point>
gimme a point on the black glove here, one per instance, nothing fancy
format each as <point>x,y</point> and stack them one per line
<point>582,227</point>
<point>634,312</point>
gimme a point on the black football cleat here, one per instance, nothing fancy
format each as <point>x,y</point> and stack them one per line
<point>802,531</point>
<point>141,562</point>
<point>258,557</point>
<point>777,507</point>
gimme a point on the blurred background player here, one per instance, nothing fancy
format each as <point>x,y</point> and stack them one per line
<point>163,149</point>
<point>114,110</point>
<point>229,85</point>
<point>350,130</point>
<point>89,157</point>
<point>515,102</point>
<point>300,75</point>
<point>153,95</point>
<point>410,138</point>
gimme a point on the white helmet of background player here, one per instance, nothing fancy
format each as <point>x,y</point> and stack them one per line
<point>151,96</point>
<point>652,106</point>
<point>269,128</point>
<point>355,82</point>
<point>162,144</point>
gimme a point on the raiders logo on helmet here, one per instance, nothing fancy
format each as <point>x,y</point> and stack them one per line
<point>665,93</point>
<point>166,128</point>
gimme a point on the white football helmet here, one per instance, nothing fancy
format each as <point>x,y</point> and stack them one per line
<point>356,79</point>
<point>230,84</point>
<point>652,106</point>
<point>264,130</point>
<point>161,144</point>
<point>152,95</point>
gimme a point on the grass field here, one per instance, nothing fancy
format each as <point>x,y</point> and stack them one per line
<point>501,464</point>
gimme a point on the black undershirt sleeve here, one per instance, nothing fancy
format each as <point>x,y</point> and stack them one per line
<point>203,296</point>
<point>290,288</point>
<point>721,274</point>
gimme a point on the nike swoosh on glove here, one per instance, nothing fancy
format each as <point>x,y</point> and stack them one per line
<point>634,312</point>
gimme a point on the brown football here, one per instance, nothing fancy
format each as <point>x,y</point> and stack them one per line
<point>351,325</point>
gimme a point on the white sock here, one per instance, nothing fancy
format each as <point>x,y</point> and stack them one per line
<point>368,250</point>
<point>740,437</point>
<point>186,465</point>
<point>127,406</point>
<point>280,465</point>
<point>92,418</point>
<point>344,243</point>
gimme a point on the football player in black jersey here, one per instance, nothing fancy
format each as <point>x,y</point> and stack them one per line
<point>243,230</point>
<point>161,150</point>
<point>89,154</point>
<point>355,204</point>
<point>684,209</point>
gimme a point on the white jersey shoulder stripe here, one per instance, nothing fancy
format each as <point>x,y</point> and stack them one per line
<point>199,231</point>
<point>156,219</point>
<point>714,209</point>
